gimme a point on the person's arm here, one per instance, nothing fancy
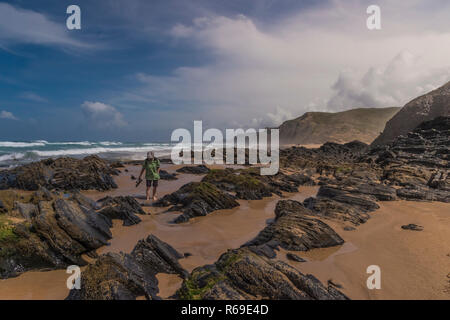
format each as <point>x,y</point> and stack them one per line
<point>142,171</point>
<point>159,166</point>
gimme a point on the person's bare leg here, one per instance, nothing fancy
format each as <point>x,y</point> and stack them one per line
<point>154,192</point>
<point>148,193</point>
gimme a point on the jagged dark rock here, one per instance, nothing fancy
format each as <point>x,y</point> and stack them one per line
<point>55,229</point>
<point>413,227</point>
<point>294,257</point>
<point>246,184</point>
<point>164,175</point>
<point>122,276</point>
<point>331,209</point>
<point>62,173</point>
<point>249,184</point>
<point>417,162</point>
<point>301,179</point>
<point>200,169</point>
<point>330,282</point>
<point>294,229</point>
<point>328,159</point>
<point>420,193</point>
<point>242,274</point>
<point>54,234</point>
<point>197,199</point>
<point>363,187</point>
<point>346,203</point>
<point>117,164</point>
<point>26,210</point>
<point>123,207</point>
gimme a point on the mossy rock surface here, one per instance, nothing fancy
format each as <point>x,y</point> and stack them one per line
<point>241,274</point>
<point>197,199</point>
<point>44,229</point>
<point>126,276</point>
<point>88,173</point>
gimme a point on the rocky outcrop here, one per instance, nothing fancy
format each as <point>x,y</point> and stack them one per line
<point>122,208</point>
<point>200,169</point>
<point>338,203</point>
<point>62,174</point>
<point>249,184</point>
<point>164,175</point>
<point>329,159</point>
<point>122,276</point>
<point>117,165</point>
<point>51,230</point>
<point>246,184</point>
<point>413,227</point>
<point>417,162</point>
<point>294,229</point>
<point>294,257</point>
<point>54,234</point>
<point>197,199</point>
<point>424,108</point>
<point>242,274</point>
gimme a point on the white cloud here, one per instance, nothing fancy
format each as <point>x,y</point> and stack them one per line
<point>102,115</point>
<point>33,97</point>
<point>294,63</point>
<point>403,78</point>
<point>7,115</point>
<point>25,26</point>
<point>271,119</point>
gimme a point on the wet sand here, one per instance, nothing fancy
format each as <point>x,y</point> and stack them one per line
<point>35,285</point>
<point>414,265</point>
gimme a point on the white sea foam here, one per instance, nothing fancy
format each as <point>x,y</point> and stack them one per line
<point>39,149</point>
<point>41,143</point>
<point>11,156</point>
<point>81,143</point>
<point>12,144</point>
<point>110,143</point>
<point>96,150</point>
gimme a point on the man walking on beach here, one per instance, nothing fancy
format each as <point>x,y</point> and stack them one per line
<point>151,167</point>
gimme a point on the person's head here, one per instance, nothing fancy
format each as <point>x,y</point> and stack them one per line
<point>150,155</point>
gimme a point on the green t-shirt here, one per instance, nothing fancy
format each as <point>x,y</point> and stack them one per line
<point>151,169</point>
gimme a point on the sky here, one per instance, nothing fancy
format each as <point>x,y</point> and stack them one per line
<point>138,69</point>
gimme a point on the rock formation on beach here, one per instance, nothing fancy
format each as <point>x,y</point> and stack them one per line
<point>363,124</point>
<point>164,175</point>
<point>349,201</point>
<point>61,174</point>
<point>424,108</point>
<point>200,169</point>
<point>242,274</point>
<point>249,184</point>
<point>47,230</point>
<point>354,178</point>
<point>220,188</point>
<point>197,199</point>
<point>418,162</point>
<point>122,208</point>
<point>329,159</point>
<point>294,229</point>
<point>122,276</point>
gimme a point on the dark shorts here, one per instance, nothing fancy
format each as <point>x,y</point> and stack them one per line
<point>149,183</point>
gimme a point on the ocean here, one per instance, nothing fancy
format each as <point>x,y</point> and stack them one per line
<point>14,153</point>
